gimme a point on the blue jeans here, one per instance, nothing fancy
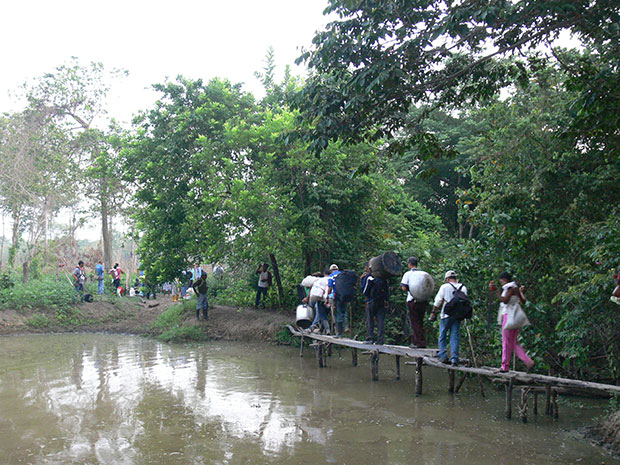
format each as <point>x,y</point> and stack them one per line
<point>79,292</point>
<point>454,326</point>
<point>204,304</point>
<point>340,316</point>
<point>320,315</point>
<point>375,309</point>
<point>259,291</point>
<point>100,283</point>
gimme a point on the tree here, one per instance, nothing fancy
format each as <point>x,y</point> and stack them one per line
<point>380,57</point>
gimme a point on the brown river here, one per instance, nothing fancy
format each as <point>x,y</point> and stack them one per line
<point>113,399</point>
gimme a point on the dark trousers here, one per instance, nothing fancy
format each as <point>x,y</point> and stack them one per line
<point>375,309</point>
<point>259,291</point>
<point>417,310</point>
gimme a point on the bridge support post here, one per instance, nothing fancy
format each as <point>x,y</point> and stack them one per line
<point>548,400</point>
<point>418,376</point>
<point>374,365</point>
<point>509,386</point>
<point>398,367</point>
<point>320,349</point>
<point>451,381</point>
<point>554,402</point>
<point>354,357</point>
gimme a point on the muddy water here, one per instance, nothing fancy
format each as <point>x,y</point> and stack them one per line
<point>103,399</point>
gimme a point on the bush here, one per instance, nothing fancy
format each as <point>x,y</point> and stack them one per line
<point>39,320</point>
<point>44,292</point>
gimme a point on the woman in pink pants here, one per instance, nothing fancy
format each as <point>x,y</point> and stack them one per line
<point>510,294</point>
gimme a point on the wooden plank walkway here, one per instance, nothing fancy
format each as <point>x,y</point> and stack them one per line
<point>529,382</point>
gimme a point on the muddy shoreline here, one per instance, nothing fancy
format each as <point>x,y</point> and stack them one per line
<point>133,316</point>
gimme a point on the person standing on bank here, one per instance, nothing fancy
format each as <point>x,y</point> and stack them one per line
<point>446,323</point>
<point>510,296</point>
<point>100,277</point>
<point>116,272</point>
<point>264,281</point>
<point>78,281</point>
<point>417,310</point>
<point>377,292</point>
<point>201,287</point>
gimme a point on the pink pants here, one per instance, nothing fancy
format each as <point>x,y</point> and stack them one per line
<point>510,344</point>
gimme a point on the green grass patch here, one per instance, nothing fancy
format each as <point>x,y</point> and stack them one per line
<point>182,334</point>
<point>39,320</point>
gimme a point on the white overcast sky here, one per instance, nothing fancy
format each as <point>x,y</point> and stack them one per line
<point>152,40</point>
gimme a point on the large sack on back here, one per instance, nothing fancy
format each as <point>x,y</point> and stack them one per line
<point>344,285</point>
<point>421,286</point>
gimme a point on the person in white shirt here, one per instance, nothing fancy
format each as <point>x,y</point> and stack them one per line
<point>447,324</point>
<point>416,309</point>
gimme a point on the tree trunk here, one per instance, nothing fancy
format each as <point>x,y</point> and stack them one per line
<point>105,234</point>
<point>276,273</point>
<point>308,262</point>
<point>25,271</point>
<point>2,243</point>
<point>14,239</point>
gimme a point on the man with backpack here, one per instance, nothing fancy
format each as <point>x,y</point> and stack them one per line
<point>78,281</point>
<point>341,289</point>
<point>377,293</point>
<point>453,305</point>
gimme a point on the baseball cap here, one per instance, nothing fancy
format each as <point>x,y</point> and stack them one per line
<point>450,274</point>
<point>333,267</point>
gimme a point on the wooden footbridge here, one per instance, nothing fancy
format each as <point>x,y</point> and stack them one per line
<point>528,383</point>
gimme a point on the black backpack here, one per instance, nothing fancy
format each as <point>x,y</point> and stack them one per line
<point>459,307</point>
<point>344,285</point>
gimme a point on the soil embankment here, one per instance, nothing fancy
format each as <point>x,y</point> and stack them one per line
<point>132,316</point>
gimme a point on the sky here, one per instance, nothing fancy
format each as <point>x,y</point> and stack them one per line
<point>153,40</point>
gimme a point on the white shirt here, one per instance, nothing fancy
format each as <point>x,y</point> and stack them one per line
<point>263,279</point>
<point>503,308</point>
<point>406,279</point>
<point>444,295</point>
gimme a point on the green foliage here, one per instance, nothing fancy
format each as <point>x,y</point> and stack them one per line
<point>5,281</point>
<point>380,57</point>
<point>45,292</point>
<point>182,334</point>
<point>172,317</point>
<point>39,320</point>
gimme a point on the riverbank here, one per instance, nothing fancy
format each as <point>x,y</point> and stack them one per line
<point>134,316</point>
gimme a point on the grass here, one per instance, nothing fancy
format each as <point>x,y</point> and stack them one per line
<point>170,326</point>
<point>40,293</point>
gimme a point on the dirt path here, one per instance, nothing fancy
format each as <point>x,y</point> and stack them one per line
<point>131,316</point>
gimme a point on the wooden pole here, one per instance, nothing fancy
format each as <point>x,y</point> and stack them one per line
<point>324,357</point>
<point>374,365</point>
<point>460,383</point>
<point>554,401</point>
<point>509,399</point>
<point>548,400</point>
<point>319,354</point>
<point>301,347</point>
<point>450,381</point>
<point>535,402</point>
<point>354,357</point>
<point>398,367</point>
<point>418,376</point>
<point>523,404</point>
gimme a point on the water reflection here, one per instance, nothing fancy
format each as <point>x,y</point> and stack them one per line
<point>126,400</point>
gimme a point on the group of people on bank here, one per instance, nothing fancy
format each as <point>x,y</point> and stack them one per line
<point>79,278</point>
<point>322,294</point>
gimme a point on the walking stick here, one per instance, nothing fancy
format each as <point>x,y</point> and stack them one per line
<point>473,357</point>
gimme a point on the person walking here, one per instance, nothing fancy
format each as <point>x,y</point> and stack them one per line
<point>100,272</point>
<point>510,297</point>
<point>318,299</point>
<point>78,281</point>
<point>201,287</point>
<point>416,309</point>
<point>116,273</point>
<point>377,293</point>
<point>448,324</point>
<point>264,281</point>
